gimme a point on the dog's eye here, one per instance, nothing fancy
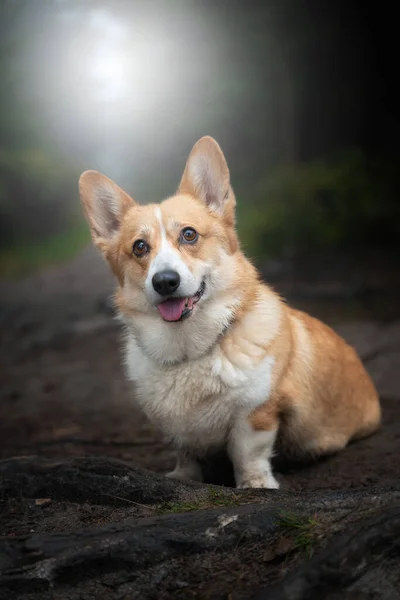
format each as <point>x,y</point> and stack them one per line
<point>140,248</point>
<point>189,235</point>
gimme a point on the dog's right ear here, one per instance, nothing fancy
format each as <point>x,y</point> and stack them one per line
<point>105,204</point>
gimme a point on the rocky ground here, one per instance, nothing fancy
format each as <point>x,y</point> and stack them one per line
<point>81,515</point>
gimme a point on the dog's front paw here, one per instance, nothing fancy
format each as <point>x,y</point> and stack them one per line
<point>259,481</point>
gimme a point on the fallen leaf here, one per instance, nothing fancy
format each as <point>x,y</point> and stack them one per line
<point>42,501</point>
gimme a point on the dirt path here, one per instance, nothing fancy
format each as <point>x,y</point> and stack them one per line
<point>63,393</point>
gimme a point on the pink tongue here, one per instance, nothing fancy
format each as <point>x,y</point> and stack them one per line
<point>172,309</point>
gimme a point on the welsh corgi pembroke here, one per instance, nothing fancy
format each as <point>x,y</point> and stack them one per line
<point>218,360</point>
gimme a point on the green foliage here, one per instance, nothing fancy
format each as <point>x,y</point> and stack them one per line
<point>40,216</point>
<point>20,258</point>
<point>38,196</point>
<point>314,205</point>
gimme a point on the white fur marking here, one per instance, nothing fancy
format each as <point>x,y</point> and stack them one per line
<point>162,228</point>
<point>251,452</point>
<point>168,258</point>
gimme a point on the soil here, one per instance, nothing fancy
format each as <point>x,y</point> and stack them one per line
<point>64,396</point>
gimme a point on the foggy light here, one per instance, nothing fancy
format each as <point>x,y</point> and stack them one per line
<point>109,72</point>
<point>108,83</point>
<point>105,63</point>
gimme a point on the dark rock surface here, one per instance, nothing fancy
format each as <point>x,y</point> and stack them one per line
<point>152,527</point>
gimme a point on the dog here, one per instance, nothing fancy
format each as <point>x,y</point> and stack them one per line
<point>218,359</point>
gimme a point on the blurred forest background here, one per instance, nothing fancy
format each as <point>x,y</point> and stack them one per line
<point>301,95</point>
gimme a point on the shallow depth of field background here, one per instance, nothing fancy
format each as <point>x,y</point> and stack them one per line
<point>300,96</point>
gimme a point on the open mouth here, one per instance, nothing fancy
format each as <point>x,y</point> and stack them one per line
<point>178,309</point>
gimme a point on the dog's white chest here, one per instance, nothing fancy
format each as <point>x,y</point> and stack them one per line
<point>195,402</point>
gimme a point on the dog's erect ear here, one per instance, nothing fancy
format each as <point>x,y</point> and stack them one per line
<point>206,175</point>
<point>105,205</point>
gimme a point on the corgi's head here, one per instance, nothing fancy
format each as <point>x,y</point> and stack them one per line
<point>175,259</point>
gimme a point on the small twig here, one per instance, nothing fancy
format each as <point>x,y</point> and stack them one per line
<point>130,501</point>
<point>350,512</point>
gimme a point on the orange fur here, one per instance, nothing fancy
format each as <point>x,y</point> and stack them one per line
<point>321,393</point>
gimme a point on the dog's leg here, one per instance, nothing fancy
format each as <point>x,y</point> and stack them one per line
<point>251,451</point>
<point>186,468</point>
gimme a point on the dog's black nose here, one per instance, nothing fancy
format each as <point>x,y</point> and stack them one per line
<point>166,282</point>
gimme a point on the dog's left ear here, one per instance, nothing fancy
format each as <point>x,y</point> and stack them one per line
<point>206,175</point>
<point>105,205</point>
